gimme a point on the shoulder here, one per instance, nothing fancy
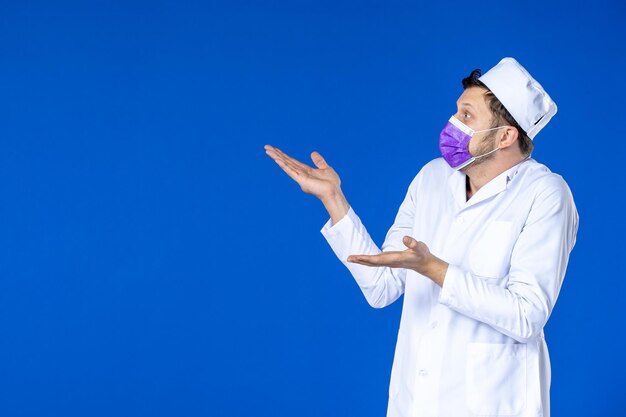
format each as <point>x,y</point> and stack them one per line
<point>438,166</point>
<point>548,192</point>
<point>542,181</point>
<point>435,170</point>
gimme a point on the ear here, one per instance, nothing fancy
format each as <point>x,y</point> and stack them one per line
<point>508,137</point>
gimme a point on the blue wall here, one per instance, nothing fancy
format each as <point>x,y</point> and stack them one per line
<point>155,262</point>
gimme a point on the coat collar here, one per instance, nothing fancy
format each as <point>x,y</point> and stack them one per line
<point>456,183</point>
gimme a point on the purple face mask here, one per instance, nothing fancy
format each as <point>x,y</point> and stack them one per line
<point>454,142</point>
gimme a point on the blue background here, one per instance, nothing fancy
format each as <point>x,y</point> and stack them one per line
<point>155,262</point>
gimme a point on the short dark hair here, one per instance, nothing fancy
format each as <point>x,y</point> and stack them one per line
<point>501,114</point>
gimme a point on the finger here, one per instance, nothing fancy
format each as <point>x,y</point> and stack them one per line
<point>270,150</point>
<point>293,161</point>
<point>382,259</point>
<point>277,157</point>
<point>356,258</point>
<point>298,169</point>
<point>362,260</point>
<point>295,175</point>
<point>365,263</point>
<point>319,160</point>
<point>409,242</point>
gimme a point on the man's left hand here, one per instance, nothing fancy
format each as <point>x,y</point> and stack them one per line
<point>417,257</point>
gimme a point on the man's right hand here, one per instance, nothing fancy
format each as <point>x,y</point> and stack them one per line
<point>323,182</point>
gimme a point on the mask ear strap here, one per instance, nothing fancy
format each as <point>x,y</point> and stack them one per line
<point>487,130</point>
<point>485,154</point>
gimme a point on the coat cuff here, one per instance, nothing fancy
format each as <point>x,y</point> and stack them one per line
<point>449,290</point>
<point>338,235</point>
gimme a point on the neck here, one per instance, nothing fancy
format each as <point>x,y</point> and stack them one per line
<point>479,175</point>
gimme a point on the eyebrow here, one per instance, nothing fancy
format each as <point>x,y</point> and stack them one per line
<point>466,104</point>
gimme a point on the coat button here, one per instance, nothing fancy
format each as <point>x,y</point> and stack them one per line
<point>423,372</point>
<point>434,324</point>
<point>459,220</point>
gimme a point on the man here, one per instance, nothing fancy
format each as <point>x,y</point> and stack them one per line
<point>479,248</point>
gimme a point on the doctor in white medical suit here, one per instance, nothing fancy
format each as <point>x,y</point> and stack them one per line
<point>479,249</point>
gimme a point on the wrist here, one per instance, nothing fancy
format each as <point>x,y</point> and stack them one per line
<point>336,205</point>
<point>435,269</point>
<point>333,196</point>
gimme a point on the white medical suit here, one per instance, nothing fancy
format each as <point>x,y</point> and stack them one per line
<point>474,347</point>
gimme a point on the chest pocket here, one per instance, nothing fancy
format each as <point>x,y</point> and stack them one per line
<point>490,256</point>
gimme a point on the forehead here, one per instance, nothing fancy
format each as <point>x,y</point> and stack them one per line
<point>474,98</point>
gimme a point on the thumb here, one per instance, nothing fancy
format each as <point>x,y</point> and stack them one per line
<point>409,242</point>
<point>318,160</point>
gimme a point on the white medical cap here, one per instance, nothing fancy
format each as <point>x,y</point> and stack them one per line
<point>526,100</point>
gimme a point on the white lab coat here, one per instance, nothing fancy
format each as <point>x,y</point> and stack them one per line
<point>476,346</point>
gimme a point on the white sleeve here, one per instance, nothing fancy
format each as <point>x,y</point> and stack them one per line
<point>538,262</point>
<point>381,286</point>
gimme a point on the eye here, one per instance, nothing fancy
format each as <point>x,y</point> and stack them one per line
<point>466,115</point>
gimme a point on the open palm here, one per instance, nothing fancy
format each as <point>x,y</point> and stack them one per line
<point>320,182</point>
